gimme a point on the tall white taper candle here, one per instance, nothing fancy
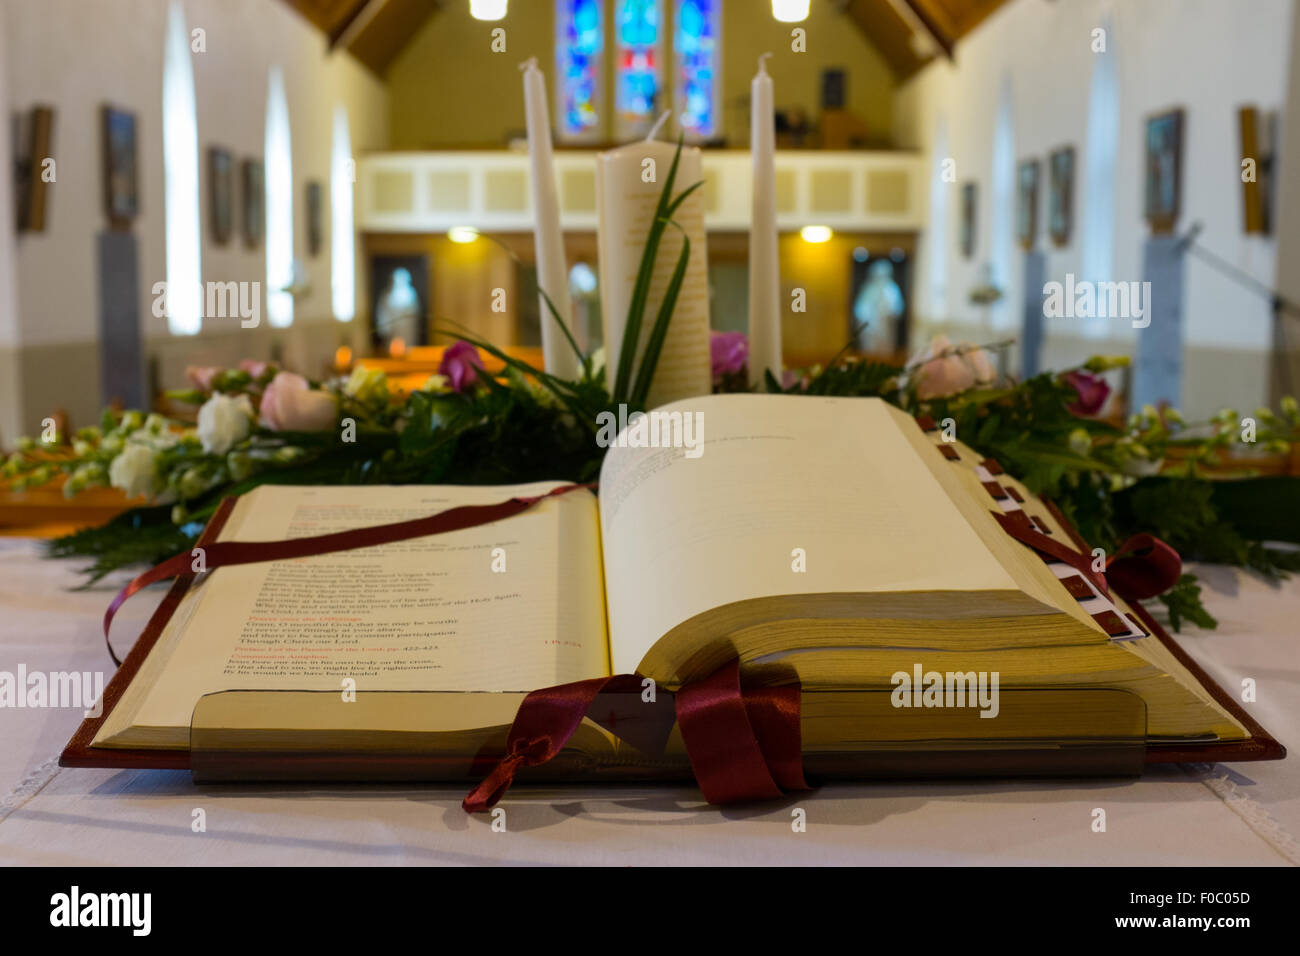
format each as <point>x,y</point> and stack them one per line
<point>548,240</point>
<point>764,260</point>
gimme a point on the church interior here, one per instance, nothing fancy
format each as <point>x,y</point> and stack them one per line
<point>344,183</point>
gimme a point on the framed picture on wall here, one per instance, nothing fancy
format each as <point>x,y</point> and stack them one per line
<point>121,186</point>
<point>33,166</point>
<point>254,178</point>
<point>1027,203</point>
<point>969,195</point>
<point>1060,195</point>
<point>1164,170</point>
<point>221,194</point>
<point>1258,130</point>
<point>315,234</point>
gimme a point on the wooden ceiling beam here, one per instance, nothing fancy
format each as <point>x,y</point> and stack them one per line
<point>937,22</point>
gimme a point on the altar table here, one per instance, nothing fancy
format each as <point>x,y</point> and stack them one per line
<point>1247,814</point>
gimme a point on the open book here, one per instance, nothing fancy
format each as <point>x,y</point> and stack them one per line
<point>819,539</point>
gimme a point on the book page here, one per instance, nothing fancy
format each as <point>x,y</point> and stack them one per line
<point>511,606</point>
<point>831,485</point>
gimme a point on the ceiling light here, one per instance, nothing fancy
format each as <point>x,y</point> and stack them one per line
<point>487,9</point>
<point>815,233</point>
<point>790,11</point>
<point>462,233</point>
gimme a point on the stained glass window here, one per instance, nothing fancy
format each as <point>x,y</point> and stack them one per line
<point>696,46</point>
<point>638,68</point>
<point>579,50</point>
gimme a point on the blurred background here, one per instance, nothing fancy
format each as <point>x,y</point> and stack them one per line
<point>318,173</point>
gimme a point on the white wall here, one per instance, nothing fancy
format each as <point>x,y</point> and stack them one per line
<point>1207,56</point>
<point>76,55</point>
<point>10,384</point>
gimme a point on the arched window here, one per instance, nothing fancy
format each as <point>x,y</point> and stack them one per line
<point>579,63</point>
<point>343,252</point>
<point>638,66</point>
<point>695,46</point>
<point>936,249</point>
<point>181,180</point>
<point>1001,242</point>
<point>1101,150</point>
<point>279,204</point>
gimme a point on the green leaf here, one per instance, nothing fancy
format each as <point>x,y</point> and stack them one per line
<point>659,331</point>
<point>1184,603</point>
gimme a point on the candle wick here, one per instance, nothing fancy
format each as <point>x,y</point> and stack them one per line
<point>762,66</point>
<point>654,130</point>
<point>528,64</point>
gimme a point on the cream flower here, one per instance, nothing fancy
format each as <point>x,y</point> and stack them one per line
<point>134,470</point>
<point>366,384</point>
<point>224,421</point>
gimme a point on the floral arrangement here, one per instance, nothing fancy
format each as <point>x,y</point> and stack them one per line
<point>259,424</point>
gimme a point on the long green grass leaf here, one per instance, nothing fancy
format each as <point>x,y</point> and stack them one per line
<point>659,331</point>
<point>555,313</point>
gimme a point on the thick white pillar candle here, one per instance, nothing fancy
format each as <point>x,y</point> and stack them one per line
<point>629,180</point>
<point>764,259</point>
<point>548,240</point>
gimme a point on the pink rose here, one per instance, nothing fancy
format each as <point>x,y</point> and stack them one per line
<point>254,368</point>
<point>944,371</point>
<point>729,351</point>
<point>981,365</point>
<point>460,365</point>
<point>1092,390</point>
<point>942,377</point>
<point>291,404</point>
<point>201,375</point>
<point>790,378</point>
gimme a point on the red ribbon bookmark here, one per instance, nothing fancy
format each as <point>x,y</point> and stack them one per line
<point>225,553</point>
<point>1143,567</point>
<point>743,744</point>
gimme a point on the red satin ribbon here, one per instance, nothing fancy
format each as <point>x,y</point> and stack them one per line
<point>742,744</point>
<point>224,553</point>
<point>1017,524</point>
<point>1143,567</point>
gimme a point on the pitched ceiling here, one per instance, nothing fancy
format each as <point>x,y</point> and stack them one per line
<point>908,33</point>
<point>911,33</point>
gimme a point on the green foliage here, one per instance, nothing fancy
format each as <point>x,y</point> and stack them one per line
<point>139,536</point>
<point>1183,602</point>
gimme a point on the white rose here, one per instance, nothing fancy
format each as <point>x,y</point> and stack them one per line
<point>224,422</point>
<point>1142,467</point>
<point>134,470</point>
